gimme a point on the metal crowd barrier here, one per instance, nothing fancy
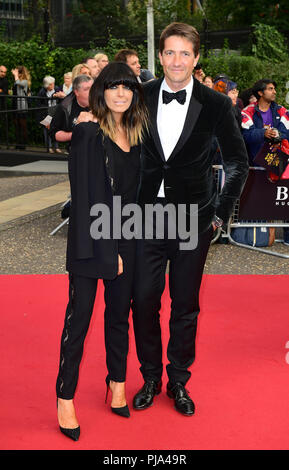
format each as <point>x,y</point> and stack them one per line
<point>262,204</point>
<point>64,222</point>
<point>219,177</point>
<point>21,128</point>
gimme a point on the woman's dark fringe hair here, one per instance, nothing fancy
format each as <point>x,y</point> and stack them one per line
<point>135,119</point>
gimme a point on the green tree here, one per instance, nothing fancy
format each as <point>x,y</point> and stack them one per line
<point>269,44</point>
<point>93,19</point>
<point>165,12</point>
<point>223,14</point>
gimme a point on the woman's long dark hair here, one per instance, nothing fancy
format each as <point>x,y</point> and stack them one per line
<point>134,119</point>
<point>24,74</point>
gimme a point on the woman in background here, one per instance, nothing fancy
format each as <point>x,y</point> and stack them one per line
<point>47,95</point>
<point>233,92</point>
<point>80,69</point>
<point>66,87</point>
<point>102,60</point>
<point>21,89</point>
<point>208,81</point>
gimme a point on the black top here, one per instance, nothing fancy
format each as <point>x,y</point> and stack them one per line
<point>123,170</point>
<point>76,109</point>
<point>98,170</point>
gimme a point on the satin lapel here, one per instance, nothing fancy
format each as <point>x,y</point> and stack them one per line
<point>152,100</point>
<point>193,113</point>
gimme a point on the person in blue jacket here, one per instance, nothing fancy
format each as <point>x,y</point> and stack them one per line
<point>265,120</point>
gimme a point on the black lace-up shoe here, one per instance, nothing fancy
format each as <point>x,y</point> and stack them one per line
<point>144,398</point>
<point>183,403</point>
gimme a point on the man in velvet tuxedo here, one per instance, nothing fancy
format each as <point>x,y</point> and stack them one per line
<point>176,168</point>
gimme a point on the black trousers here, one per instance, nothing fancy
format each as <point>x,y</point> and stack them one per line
<point>185,275</point>
<point>82,291</point>
<point>21,129</point>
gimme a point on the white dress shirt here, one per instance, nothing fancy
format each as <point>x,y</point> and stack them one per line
<point>170,121</point>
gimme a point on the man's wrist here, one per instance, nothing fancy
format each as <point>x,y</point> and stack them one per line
<point>217,221</point>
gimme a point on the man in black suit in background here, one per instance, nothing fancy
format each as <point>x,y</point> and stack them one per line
<point>130,57</point>
<point>176,168</point>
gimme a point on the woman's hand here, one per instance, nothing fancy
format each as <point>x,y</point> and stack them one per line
<point>120,265</point>
<point>15,73</point>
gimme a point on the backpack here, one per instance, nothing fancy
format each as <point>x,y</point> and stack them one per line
<point>254,236</point>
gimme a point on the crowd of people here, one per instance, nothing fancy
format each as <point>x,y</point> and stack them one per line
<point>52,94</point>
<point>264,123</point>
<point>270,121</point>
<point>260,119</point>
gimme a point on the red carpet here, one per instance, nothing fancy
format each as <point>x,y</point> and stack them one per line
<point>240,379</point>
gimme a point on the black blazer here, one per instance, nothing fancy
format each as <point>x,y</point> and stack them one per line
<point>89,184</point>
<point>187,174</point>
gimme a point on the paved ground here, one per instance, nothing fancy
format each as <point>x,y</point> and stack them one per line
<point>26,246</point>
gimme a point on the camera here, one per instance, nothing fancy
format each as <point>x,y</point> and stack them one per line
<point>277,139</point>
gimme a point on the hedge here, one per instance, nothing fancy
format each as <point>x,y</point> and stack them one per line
<point>44,59</point>
<point>246,70</point>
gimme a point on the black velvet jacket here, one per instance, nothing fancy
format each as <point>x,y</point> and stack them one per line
<point>187,174</point>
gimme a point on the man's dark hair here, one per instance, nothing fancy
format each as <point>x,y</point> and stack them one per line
<point>123,54</point>
<point>84,61</point>
<point>261,85</point>
<point>183,30</point>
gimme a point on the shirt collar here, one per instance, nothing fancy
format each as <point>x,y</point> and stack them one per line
<point>188,88</point>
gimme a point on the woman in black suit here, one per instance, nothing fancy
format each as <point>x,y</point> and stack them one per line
<point>104,162</point>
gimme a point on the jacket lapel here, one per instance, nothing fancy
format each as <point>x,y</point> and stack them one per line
<point>193,113</point>
<point>152,102</point>
<point>194,110</point>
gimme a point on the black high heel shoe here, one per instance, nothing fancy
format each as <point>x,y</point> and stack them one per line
<point>123,410</point>
<point>72,433</point>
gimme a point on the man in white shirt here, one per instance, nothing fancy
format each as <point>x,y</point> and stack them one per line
<point>176,169</point>
<point>170,121</point>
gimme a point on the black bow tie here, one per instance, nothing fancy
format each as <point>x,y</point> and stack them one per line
<point>180,96</point>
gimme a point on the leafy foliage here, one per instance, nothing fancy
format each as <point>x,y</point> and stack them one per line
<point>44,59</point>
<point>246,70</point>
<point>269,44</point>
<point>226,14</point>
<point>165,12</point>
<point>40,59</point>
